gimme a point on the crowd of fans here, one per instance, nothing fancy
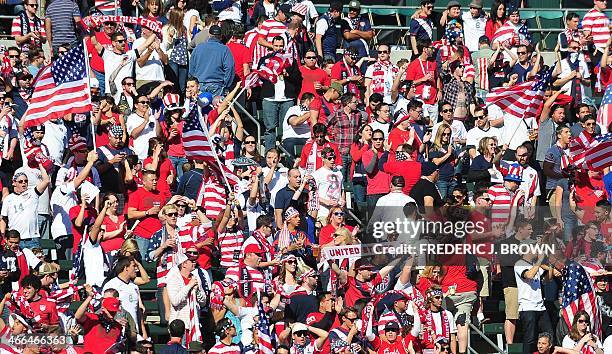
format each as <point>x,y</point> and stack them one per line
<point>350,140</point>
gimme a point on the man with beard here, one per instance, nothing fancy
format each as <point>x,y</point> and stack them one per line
<point>437,323</point>
<point>303,300</point>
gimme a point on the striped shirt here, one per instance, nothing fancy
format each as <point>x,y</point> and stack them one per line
<point>16,31</point>
<point>272,28</point>
<point>221,348</point>
<point>62,14</point>
<point>108,7</point>
<point>229,244</point>
<point>501,201</point>
<point>597,23</point>
<point>255,276</point>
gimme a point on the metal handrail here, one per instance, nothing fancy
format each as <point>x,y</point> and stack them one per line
<point>236,104</point>
<point>487,339</point>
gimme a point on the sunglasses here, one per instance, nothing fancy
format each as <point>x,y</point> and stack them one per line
<point>301,333</point>
<point>383,52</point>
<point>487,199</point>
<point>129,84</point>
<point>33,5</point>
<point>311,58</point>
<point>521,53</point>
<point>590,124</point>
<point>447,110</point>
<point>429,7</point>
<point>293,261</point>
<point>458,196</point>
<point>181,205</point>
<point>112,24</point>
<point>445,134</point>
<point>22,181</point>
<point>120,40</point>
<point>352,319</point>
<point>573,47</point>
<point>250,142</point>
<point>378,139</point>
<point>14,56</point>
<point>144,102</point>
<point>172,215</point>
<point>330,157</point>
<point>582,321</point>
<point>339,213</point>
<point>445,349</point>
<point>193,253</point>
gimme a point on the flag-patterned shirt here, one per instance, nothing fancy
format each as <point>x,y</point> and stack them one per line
<point>32,25</point>
<point>230,243</point>
<point>501,200</point>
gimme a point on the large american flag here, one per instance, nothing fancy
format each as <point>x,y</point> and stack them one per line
<point>263,326</point>
<point>605,110</point>
<point>578,148</point>
<point>599,154</point>
<point>273,66</point>
<point>60,88</point>
<point>579,294</point>
<point>522,100</point>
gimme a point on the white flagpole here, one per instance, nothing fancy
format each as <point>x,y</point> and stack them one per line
<point>87,68</point>
<point>214,152</point>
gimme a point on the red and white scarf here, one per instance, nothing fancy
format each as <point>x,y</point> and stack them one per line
<point>429,332</point>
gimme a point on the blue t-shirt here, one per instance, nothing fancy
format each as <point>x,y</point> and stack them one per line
<point>447,168</point>
<point>521,71</point>
<point>553,155</point>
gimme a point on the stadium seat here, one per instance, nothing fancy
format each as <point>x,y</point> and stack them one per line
<point>47,244</point>
<point>493,328</point>
<point>515,348</point>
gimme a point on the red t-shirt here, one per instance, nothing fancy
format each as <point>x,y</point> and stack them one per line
<point>175,145</point>
<point>340,72</point>
<point>410,170</point>
<point>242,55</point>
<point>97,340</point>
<point>164,169</point>
<point>114,243</point>
<point>398,137</point>
<point>89,216</point>
<point>384,347</point>
<point>309,77</point>
<point>307,149</point>
<point>324,107</point>
<point>378,181</point>
<point>417,70</point>
<point>47,311</point>
<point>205,257</point>
<point>605,77</point>
<point>456,274</point>
<point>142,200</point>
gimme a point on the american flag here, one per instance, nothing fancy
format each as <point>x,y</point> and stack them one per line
<point>263,326</point>
<point>274,66</point>
<point>579,294</point>
<point>605,111</point>
<point>599,154</point>
<point>60,88</point>
<point>578,148</point>
<point>522,100</point>
<point>195,138</point>
<point>524,32</point>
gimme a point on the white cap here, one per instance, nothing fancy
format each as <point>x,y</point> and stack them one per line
<point>94,83</point>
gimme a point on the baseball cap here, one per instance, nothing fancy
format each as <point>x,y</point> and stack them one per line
<point>111,304</point>
<point>285,8</point>
<point>354,4</point>
<point>398,181</point>
<point>298,327</point>
<point>453,3</point>
<point>392,326</point>
<point>253,248</point>
<point>47,268</point>
<point>215,30</point>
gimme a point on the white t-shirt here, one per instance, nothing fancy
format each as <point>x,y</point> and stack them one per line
<point>279,181</point>
<point>187,18</point>
<point>140,145</point>
<point>566,70</point>
<point>128,294</point>
<point>321,26</point>
<point>329,186</point>
<point>20,211</point>
<point>382,126</point>
<point>56,140</point>
<point>299,131</point>
<point>607,345</point>
<point>529,290</point>
<point>457,130</point>
<point>473,29</point>
<point>437,318</point>
<point>153,70</point>
<point>112,61</point>
<point>232,13</point>
<point>476,134</point>
<point>569,343</point>
<point>247,321</point>
<point>34,177</point>
<point>62,199</point>
<point>517,129</point>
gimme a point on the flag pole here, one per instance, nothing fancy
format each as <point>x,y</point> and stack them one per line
<point>87,68</point>
<point>205,129</point>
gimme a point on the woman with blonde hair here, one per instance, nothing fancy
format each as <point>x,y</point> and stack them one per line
<point>431,275</point>
<point>580,336</point>
<point>490,155</point>
<point>335,219</point>
<point>175,43</point>
<point>442,154</point>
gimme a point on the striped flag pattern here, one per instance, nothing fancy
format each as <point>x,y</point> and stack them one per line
<point>579,294</point>
<point>274,66</point>
<point>522,100</point>
<point>599,154</point>
<point>578,148</point>
<point>263,326</point>
<point>60,88</point>
<point>603,116</point>
<point>483,73</point>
